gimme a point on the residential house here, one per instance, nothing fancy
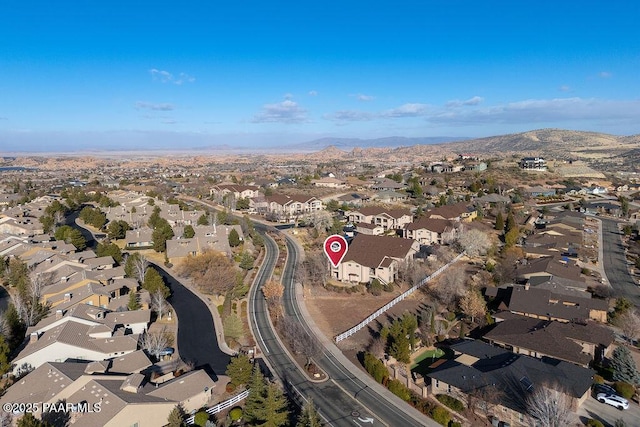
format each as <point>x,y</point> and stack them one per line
<point>388,196</point>
<point>238,191</point>
<point>431,231</point>
<point>139,238</point>
<point>462,212</point>
<point>286,207</point>
<point>389,219</point>
<point>207,237</point>
<point>499,381</point>
<point>579,343</point>
<point>374,257</point>
<point>370,229</point>
<point>549,305</point>
<point>539,191</point>
<point>386,184</point>
<point>329,182</point>
<point>76,340</point>
<point>533,164</point>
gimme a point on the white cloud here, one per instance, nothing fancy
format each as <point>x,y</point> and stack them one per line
<point>166,77</point>
<point>564,88</point>
<point>142,105</point>
<point>287,111</point>
<point>406,110</point>
<point>605,74</point>
<point>364,98</point>
<point>350,116</point>
<point>532,111</point>
<point>313,93</point>
<point>476,100</point>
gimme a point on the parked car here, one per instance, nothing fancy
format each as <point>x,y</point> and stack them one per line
<point>613,400</point>
<point>603,388</point>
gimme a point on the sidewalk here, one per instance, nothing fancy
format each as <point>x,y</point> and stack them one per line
<point>354,370</point>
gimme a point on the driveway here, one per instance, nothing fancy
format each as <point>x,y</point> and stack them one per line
<point>607,414</point>
<point>197,340</point>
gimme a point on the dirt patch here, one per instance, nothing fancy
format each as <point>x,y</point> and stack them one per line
<point>334,313</point>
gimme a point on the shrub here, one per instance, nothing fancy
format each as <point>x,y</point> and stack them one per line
<point>375,368</point>
<point>450,316</point>
<point>451,402</point>
<point>594,423</point>
<point>597,379</point>
<point>375,287</point>
<point>625,390</point>
<point>455,424</point>
<point>441,415</point>
<point>399,389</point>
<point>230,387</point>
<point>235,414</point>
<point>201,418</point>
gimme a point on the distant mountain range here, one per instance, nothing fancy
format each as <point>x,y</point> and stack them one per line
<point>348,144</point>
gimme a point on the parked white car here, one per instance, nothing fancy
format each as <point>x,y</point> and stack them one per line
<point>613,400</point>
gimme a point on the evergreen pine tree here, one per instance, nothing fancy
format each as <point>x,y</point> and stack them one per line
<point>255,399</point>
<point>624,367</point>
<point>176,417</point>
<point>309,416</point>
<point>274,411</point>
<point>234,238</point>
<point>499,222</point>
<point>134,301</point>
<point>239,369</point>
<point>511,223</point>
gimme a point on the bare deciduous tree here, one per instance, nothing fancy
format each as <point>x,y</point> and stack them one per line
<point>473,304</point>
<point>299,340</point>
<point>313,269</point>
<point>629,323</point>
<point>451,285</point>
<point>411,271</point>
<point>137,266</point>
<point>549,407</point>
<point>212,272</point>
<point>273,291</point>
<point>321,220</point>
<point>377,347</point>
<point>484,399</point>
<point>155,342</point>
<point>159,303</point>
<point>475,242</point>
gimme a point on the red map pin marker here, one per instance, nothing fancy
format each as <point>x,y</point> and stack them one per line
<point>335,247</point>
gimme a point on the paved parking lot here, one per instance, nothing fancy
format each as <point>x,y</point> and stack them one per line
<point>607,414</point>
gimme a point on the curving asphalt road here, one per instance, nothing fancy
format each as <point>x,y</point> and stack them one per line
<point>344,400</point>
<point>197,340</point>
<point>615,262</point>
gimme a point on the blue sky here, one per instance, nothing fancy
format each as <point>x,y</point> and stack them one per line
<point>87,75</point>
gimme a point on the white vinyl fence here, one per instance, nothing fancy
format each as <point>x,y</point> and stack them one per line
<point>396,300</point>
<point>222,405</point>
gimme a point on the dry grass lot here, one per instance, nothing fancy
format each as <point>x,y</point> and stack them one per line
<point>334,313</point>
